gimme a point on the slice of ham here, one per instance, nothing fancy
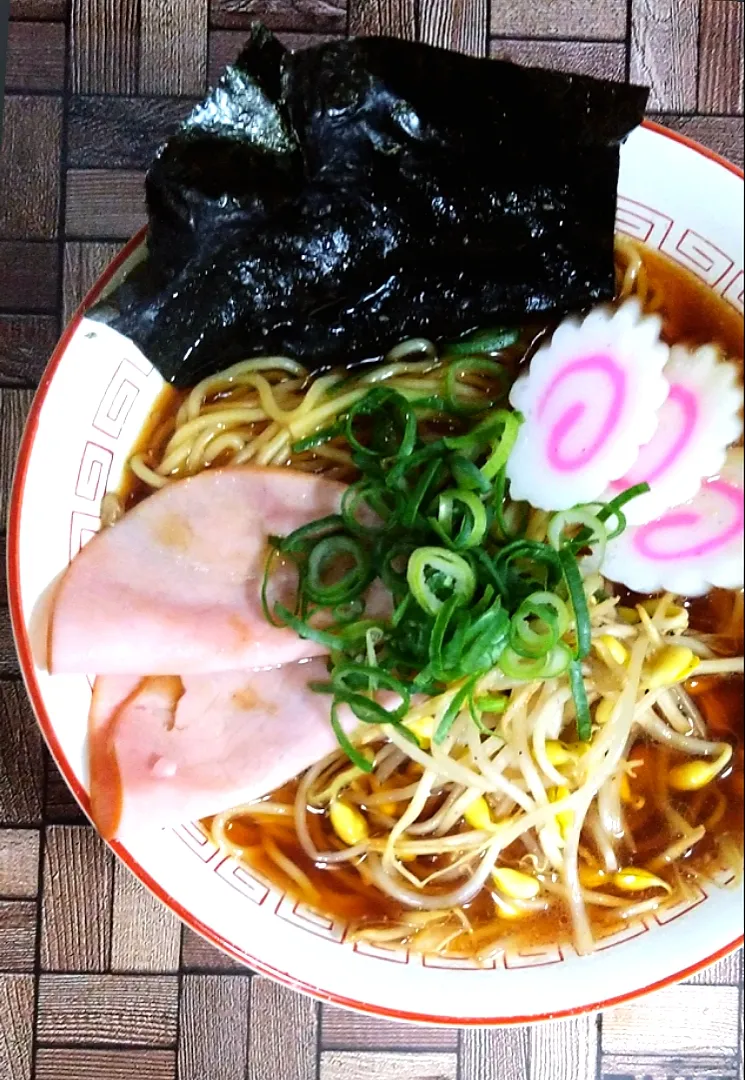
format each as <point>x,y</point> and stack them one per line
<point>167,750</point>
<point>176,584</point>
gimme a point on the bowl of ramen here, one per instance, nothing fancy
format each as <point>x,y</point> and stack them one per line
<point>414,683</point>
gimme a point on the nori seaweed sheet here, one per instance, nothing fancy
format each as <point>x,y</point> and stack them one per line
<point>328,203</point>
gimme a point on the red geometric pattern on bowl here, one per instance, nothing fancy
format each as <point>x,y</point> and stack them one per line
<point>119,397</point>
<point>95,469</point>
<point>645,223</point>
<point>685,246</point>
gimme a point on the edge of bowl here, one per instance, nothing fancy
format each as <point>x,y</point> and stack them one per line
<point>47,728</point>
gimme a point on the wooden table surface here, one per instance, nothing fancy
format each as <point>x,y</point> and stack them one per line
<point>97,982</point>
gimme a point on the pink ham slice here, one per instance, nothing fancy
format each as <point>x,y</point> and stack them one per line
<point>176,584</point>
<point>166,750</point>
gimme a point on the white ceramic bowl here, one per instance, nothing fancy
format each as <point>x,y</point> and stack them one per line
<point>92,402</point>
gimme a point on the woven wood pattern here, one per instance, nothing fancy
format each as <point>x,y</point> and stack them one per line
<point>97,981</point>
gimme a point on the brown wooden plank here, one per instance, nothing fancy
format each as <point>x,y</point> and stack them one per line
<point>336,1065</point>
<point>316,16</point>
<point>664,51</point>
<point>16,1026</point>
<point>21,758</point>
<point>603,59</point>
<point>721,65</point>
<point>667,1027</point>
<point>566,1050</point>
<point>29,276</point>
<point>60,805</point>
<point>84,264</point>
<point>104,38</point>
<point>120,132</point>
<point>14,406</point>
<point>104,203</point>
<point>173,49</point>
<point>199,955</point>
<point>213,1038</point>
<point>26,343</point>
<point>17,935</point>
<point>456,24</point>
<point>29,168</point>
<point>19,863</point>
<point>38,9</point>
<point>282,1033</point>
<point>604,19</point>
<point>107,1010</point>
<point>667,1066</point>
<point>8,655</point>
<point>8,661</point>
<point>728,972</point>
<point>145,935</point>
<point>395,17</point>
<point>36,56</point>
<point>499,1054</point>
<point>76,905</point>
<point>225,45</point>
<point>344,1030</point>
<point>721,133</point>
<point>63,1064</point>
<point>3,571</point>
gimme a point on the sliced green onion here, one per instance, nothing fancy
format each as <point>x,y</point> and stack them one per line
<point>578,599</point>
<point>485,341</point>
<point>515,666</point>
<point>525,566</point>
<point>319,438</point>
<point>433,570</point>
<point>304,629</point>
<point>593,530</point>
<point>323,557</point>
<point>622,500</point>
<point>433,403</point>
<point>581,705</point>
<point>526,669</point>
<point>396,475</point>
<point>492,703</point>
<point>451,715</point>
<point>379,499</point>
<point>427,480</point>
<point>558,661</point>
<point>550,614</point>
<point>614,509</point>
<point>476,715</point>
<point>393,412</point>
<point>485,640</point>
<point>468,476</point>
<point>384,558</point>
<point>349,612</point>
<point>400,613</point>
<point>273,554</point>
<point>504,446</point>
<point>303,537</point>
<point>478,439</point>
<point>439,631</point>
<point>498,505</point>
<point>466,366</point>
<point>376,678</point>
<point>351,751</point>
<point>474,525</point>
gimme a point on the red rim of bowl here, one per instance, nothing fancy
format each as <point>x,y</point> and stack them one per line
<point>32,686</point>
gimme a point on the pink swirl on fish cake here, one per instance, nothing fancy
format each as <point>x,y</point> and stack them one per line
<point>604,365</point>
